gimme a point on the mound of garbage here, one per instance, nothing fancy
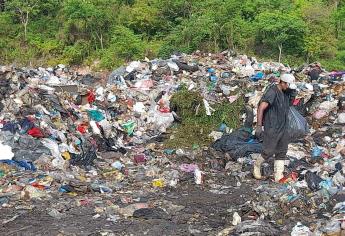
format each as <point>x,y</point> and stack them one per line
<point>158,126</point>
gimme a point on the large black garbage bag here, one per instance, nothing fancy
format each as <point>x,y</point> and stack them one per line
<point>313,181</point>
<point>297,125</point>
<point>238,144</point>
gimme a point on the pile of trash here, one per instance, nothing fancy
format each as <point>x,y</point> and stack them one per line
<point>69,133</point>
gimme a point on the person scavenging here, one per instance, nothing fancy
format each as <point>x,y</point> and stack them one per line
<point>272,122</point>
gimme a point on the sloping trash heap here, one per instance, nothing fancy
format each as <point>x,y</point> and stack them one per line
<point>64,132</point>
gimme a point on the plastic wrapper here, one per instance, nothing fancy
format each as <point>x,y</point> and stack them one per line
<point>300,230</point>
<point>96,115</point>
<point>162,120</point>
<point>6,152</point>
<point>144,84</point>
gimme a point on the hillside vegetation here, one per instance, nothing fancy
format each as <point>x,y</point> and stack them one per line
<point>106,33</point>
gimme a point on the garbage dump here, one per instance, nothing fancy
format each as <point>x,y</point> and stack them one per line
<point>167,146</point>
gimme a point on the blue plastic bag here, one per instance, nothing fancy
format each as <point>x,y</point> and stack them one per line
<point>96,115</point>
<point>26,165</point>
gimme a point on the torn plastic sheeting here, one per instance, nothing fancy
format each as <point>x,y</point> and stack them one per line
<point>173,66</point>
<point>208,108</point>
<point>328,105</point>
<point>84,159</point>
<point>100,94</point>
<point>144,84</point>
<point>215,135</point>
<point>10,126</point>
<point>53,80</point>
<point>36,132</point>
<point>225,89</point>
<point>134,65</point>
<point>52,146</point>
<point>91,97</point>
<point>106,127</point>
<point>6,152</point>
<point>139,107</point>
<point>95,115</point>
<point>232,98</point>
<point>117,165</point>
<point>338,179</point>
<point>95,128</point>
<point>111,97</point>
<point>26,124</point>
<point>332,228</point>
<point>341,118</point>
<point>237,145</point>
<point>188,168</point>
<point>319,114</point>
<point>316,152</point>
<point>301,230</point>
<point>162,120</point>
<point>186,67</point>
<point>258,76</point>
<point>248,71</point>
<point>313,181</point>
<point>26,165</point>
<point>117,77</point>
<point>327,188</point>
<point>82,128</point>
<point>140,159</point>
<point>251,227</point>
<point>129,127</point>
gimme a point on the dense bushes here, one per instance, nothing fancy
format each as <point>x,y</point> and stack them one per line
<point>115,31</point>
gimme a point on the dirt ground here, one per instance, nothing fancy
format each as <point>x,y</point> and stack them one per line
<point>200,212</point>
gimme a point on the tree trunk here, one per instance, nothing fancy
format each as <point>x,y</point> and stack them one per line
<point>280,46</point>
<point>25,21</point>
<point>308,57</point>
<point>25,31</point>
<point>2,5</point>
<point>101,40</point>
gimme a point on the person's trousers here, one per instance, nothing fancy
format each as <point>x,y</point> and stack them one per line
<point>275,144</point>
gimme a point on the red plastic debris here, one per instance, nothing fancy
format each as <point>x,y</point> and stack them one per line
<point>293,176</point>
<point>296,102</point>
<point>91,97</point>
<point>139,159</point>
<point>36,132</point>
<point>164,110</point>
<point>82,128</point>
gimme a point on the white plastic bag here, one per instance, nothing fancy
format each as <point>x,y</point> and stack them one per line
<point>300,230</point>
<point>6,152</point>
<point>162,120</point>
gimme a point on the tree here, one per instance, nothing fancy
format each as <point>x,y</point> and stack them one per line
<point>124,46</point>
<point>279,30</point>
<point>320,36</point>
<point>2,5</point>
<point>91,19</point>
<point>24,9</point>
<point>143,18</point>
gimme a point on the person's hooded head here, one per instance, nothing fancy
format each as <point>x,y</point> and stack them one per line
<point>287,81</point>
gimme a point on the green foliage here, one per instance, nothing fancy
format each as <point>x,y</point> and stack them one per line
<point>142,18</point>
<point>341,56</point>
<point>125,46</point>
<point>77,53</point>
<point>196,125</point>
<point>280,30</point>
<point>115,31</point>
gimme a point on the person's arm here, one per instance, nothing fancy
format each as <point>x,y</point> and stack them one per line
<point>260,114</point>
